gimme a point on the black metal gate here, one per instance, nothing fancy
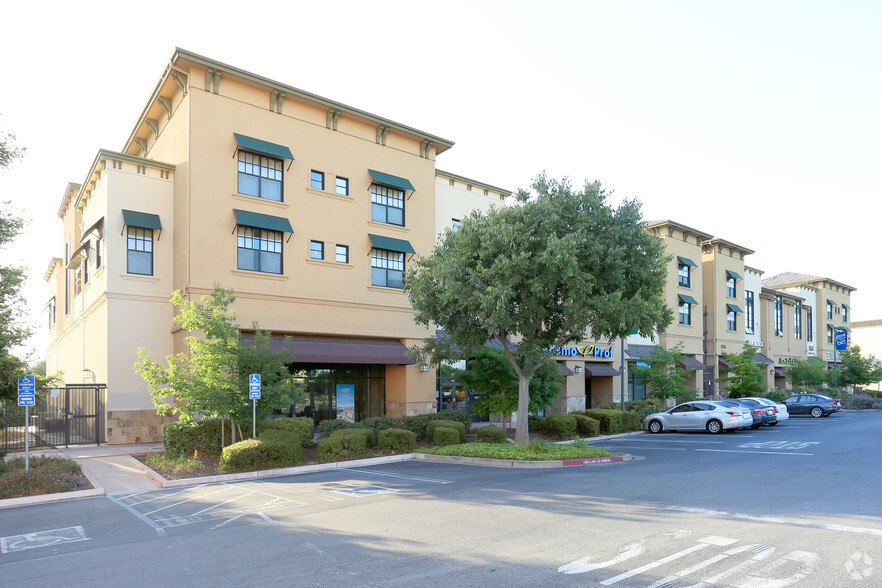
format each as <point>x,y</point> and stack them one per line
<point>73,415</point>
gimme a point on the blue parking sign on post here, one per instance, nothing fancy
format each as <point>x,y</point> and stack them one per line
<point>841,340</point>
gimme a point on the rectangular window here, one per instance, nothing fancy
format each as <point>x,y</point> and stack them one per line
<point>99,252</point>
<point>342,253</point>
<point>730,320</point>
<point>730,287</point>
<point>260,176</point>
<point>829,309</point>
<point>387,268</point>
<point>829,334</point>
<point>455,223</point>
<point>140,251</point>
<point>748,312</point>
<point>387,205</point>
<point>66,278</point>
<point>342,185</point>
<point>685,313</point>
<point>779,316</point>
<point>317,180</point>
<point>259,250</point>
<point>844,314</point>
<point>797,320</point>
<point>316,250</point>
<point>683,275</point>
<point>809,325</point>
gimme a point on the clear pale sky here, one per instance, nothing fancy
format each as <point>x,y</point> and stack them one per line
<point>756,121</point>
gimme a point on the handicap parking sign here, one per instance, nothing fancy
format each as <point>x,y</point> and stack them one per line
<point>254,379</point>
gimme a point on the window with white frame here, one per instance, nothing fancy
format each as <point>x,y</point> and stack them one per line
<point>731,323</point>
<point>387,205</point>
<point>730,287</point>
<point>797,320</point>
<point>749,316</point>
<point>844,313</point>
<point>683,277</point>
<point>809,325</point>
<point>139,244</point>
<point>387,268</point>
<point>685,312</point>
<point>829,309</point>
<point>260,176</point>
<point>259,250</point>
<point>779,316</point>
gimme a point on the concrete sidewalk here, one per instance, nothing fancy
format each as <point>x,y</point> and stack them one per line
<point>109,468</point>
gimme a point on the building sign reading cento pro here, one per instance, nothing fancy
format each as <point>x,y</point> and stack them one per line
<point>586,351</point>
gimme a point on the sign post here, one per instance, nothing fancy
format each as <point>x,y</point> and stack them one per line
<point>840,338</point>
<point>27,398</point>
<point>254,394</point>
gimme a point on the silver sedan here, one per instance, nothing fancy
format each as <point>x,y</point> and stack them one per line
<point>697,415</point>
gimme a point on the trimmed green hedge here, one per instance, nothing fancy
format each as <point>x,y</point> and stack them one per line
<point>615,421</point>
<point>303,427</point>
<point>535,423</point>
<point>345,444</point>
<point>436,424</point>
<point>417,423</point>
<point>586,426</point>
<point>561,426</point>
<point>443,436</point>
<point>398,440</point>
<point>182,439</point>
<point>490,434</point>
<point>258,454</point>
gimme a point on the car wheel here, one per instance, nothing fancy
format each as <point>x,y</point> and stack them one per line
<point>655,427</point>
<point>773,424</point>
<point>817,412</point>
<point>756,426</point>
<point>714,426</point>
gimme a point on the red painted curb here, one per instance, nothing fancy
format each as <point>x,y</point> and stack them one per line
<point>592,460</point>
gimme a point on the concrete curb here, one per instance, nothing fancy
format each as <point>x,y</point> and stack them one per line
<point>45,498</point>
<point>514,463</point>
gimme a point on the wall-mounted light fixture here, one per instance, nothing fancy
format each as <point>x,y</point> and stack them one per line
<point>578,369</point>
<point>424,367</point>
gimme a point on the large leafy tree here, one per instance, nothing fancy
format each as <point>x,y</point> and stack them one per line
<point>664,376</point>
<point>855,369</point>
<point>559,264</point>
<point>13,330</point>
<point>806,373</point>
<point>212,379</point>
<point>495,382</point>
<point>746,378</point>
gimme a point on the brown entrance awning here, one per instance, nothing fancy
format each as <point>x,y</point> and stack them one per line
<point>690,363</point>
<point>563,370</point>
<point>600,369</point>
<point>779,372</point>
<point>343,350</point>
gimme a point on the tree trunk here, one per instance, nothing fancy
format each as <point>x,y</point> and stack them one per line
<point>223,432</point>
<point>522,431</point>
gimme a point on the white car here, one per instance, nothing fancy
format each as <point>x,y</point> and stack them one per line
<point>780,408</point>
<point>697,415</point>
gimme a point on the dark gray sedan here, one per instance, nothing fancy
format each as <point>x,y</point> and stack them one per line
<point>816,405</point>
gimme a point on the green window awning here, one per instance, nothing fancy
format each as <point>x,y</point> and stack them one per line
<point>390,180</point>
<point>846,329</point>
<point>846,306</point>
<point>686,261</point>
<point>252,144</point>
<point>732,274</point>
<point>686,298</point>
<point>830,302</point>
<point>142,220</point>
<point>391,244</point>
<point>78,257</point>
<point>263,221</point>
<point>831,326</point>
<point>734,308</point>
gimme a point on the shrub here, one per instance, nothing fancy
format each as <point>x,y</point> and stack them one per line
<point>344,445</point>
<point>535,423</point>
<point>398,440</point>
<point>377,424</point>
<point>490,434</point>
<point>304,427</point>
<point>329,426</point>
<point>561,426</point>
<point>257,454</point>
<point>857,402</point>
<point>445,436</point>
<point>586,426</point>
<point>280,436</point>
<point>455,415</point>
<point>537,447</point>
<point>436,424</point>
<point>615,421</point>
<point>47,475</point>
<point>182,438</point>
<point>777,395</point>
<point>611,406</point>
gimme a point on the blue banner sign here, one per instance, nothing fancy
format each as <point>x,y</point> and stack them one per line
<point>841,338</point>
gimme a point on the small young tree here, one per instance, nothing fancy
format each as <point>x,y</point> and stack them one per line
<point>664,376</point>
<point>855,369</point>
<point>495,382</point>
<point>212,380</point>
<point>746,378</point>
<point>802,373</point>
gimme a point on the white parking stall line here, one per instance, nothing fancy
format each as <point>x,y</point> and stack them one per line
<point>777,520</point>
<point>656,440</point>
<point>703,543</point>
<point>649,447</point>
<point>394,475</point>
<point>764,452</point>
<point>198,497</point>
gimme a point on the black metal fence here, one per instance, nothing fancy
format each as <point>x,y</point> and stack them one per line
<point>73,415</point>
